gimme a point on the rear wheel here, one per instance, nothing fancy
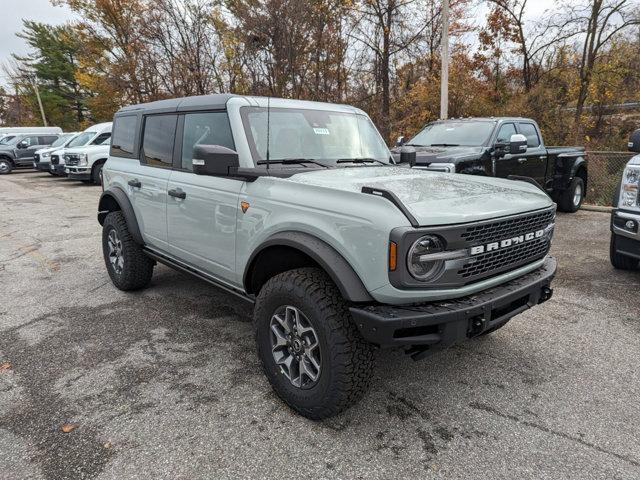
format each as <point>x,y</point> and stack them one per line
<point>128,266</point>
<point>5,166</point>
<point>619,261</point>
<point>310,350</point>
<point>571,199</point>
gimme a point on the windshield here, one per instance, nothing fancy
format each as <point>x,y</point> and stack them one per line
<point>468,134</point>
<point>82,139</point>
<point>60,141</point>
<point>312,135</point>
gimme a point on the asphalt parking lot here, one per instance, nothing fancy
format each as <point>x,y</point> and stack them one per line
<point>165,383</point>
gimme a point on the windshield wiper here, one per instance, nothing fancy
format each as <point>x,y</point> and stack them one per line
<point>444,145</point>
<point>360,160</point>
<point>290,161</point>
<point>413,145</point>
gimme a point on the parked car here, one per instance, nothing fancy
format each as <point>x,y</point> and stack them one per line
<point>19,151</point>
<point>500,147</point>
<point>298,208</point>
<point>85,163</point>
<point>625,218</point>
<point>42,157</point>
<point>94,135</point>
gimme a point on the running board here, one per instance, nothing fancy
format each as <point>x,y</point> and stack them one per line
<point>182,267</point>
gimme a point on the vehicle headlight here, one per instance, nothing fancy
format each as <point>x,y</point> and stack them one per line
<point>82,159</point>
<point>420,265</point>
<point>630,186</point>
<point>45,155</point>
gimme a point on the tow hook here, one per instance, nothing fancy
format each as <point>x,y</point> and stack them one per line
<point>477,326</point>
<point>545,294</point>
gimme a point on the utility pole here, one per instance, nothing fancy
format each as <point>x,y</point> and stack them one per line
<point>444,73</point>
<point>34,81</point>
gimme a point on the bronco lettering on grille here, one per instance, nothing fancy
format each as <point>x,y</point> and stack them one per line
<point>490,247</point>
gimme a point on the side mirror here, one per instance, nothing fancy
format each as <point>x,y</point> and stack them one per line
<point>22,145</point>
<point>517,144</point>
<point>634,141</point>
<point>214,160</point>
<point>408,155</point>
<point>401,141</point>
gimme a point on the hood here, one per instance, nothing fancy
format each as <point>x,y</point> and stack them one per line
<point>88,149</point>
<point>428,155</point>
<point>435,198</point>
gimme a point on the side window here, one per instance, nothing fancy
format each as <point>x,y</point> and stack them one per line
<point>124,136</point>
<point>158,138</point>
<point>210,128</point>
<point>101,138</point>
<point>529,131</point>
<point>506,130</point>
<point>47,140</point>
<point>29,141</point>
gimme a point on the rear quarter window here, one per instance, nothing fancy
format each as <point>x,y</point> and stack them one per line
<point>124,136</point>
<point>529,130</point>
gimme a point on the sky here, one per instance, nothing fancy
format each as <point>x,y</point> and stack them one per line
<point>42,10</point>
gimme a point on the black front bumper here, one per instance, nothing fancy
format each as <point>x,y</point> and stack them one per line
<point>58,170</point>
<point>41,166</point>
<point>79,176</point>
<point>441,324</point>
<point>625,225</point>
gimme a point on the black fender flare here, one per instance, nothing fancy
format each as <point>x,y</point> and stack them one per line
<point>115,199</point>
<point>579,163</point>
<point>330,260</point>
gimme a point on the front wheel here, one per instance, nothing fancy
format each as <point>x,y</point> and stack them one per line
<point>96,174</point>
<point>311,352</point>
<point>5,166</point>
<point>619,261</point>
<point>127,265</point>
<point>571,199</point>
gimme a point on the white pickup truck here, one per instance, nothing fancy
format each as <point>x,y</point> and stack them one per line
<point>85,163</point>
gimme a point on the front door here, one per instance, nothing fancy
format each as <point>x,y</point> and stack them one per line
<point>508,164</point>
<point>26,154</point>
<point>202,210</point>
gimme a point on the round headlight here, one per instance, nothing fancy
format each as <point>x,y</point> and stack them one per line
<point>418,263</point>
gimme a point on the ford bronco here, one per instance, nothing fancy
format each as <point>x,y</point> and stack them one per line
<point>500,147</point>
<point>298,208</point>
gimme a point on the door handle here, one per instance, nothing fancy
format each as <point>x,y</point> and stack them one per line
<point>522,160</point>
<point>177,193</point>
<point>135,183</point>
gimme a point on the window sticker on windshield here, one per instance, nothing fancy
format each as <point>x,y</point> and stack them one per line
<point>321,131</point>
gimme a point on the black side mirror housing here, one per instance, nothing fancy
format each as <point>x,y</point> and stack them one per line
<point>22,145</point>
<point>517,144</point>
<point>408,155</point>
<point>634,141</point>
<point>215,161</point>
<point>401,141</point>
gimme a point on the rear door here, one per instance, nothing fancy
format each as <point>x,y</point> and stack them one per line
<point>148,183</point>
<point>534,160</point>
<point>202,210</point>
<point>508,164</point>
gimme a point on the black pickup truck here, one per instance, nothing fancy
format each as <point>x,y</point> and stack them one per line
<point>499,147</point>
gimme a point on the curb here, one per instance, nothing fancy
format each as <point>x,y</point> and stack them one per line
<point>596,208</point>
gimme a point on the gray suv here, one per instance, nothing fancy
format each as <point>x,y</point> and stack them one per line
<point>297,207</point>
<point>19,151</point>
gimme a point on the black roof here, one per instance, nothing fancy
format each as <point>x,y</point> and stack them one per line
<point>202,102</point>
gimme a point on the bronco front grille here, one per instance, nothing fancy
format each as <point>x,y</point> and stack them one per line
<point>488,232</point>
<point>55,159</point>
<point>509,258</point>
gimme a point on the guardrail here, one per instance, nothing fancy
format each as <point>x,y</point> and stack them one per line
<point>605,172</point>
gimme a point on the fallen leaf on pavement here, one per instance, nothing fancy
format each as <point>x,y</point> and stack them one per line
<point>5,366</point>
<point>68,427</point>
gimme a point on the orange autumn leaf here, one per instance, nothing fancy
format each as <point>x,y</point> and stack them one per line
<point>5,366</point>
<point>68,427</point>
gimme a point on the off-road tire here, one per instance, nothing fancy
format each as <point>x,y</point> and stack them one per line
<point>5,166</point>
<point>567,202</point>
<point>96,176</point>
<point>347,359</point>
<point>619,261</point>
<point>138,268</point>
